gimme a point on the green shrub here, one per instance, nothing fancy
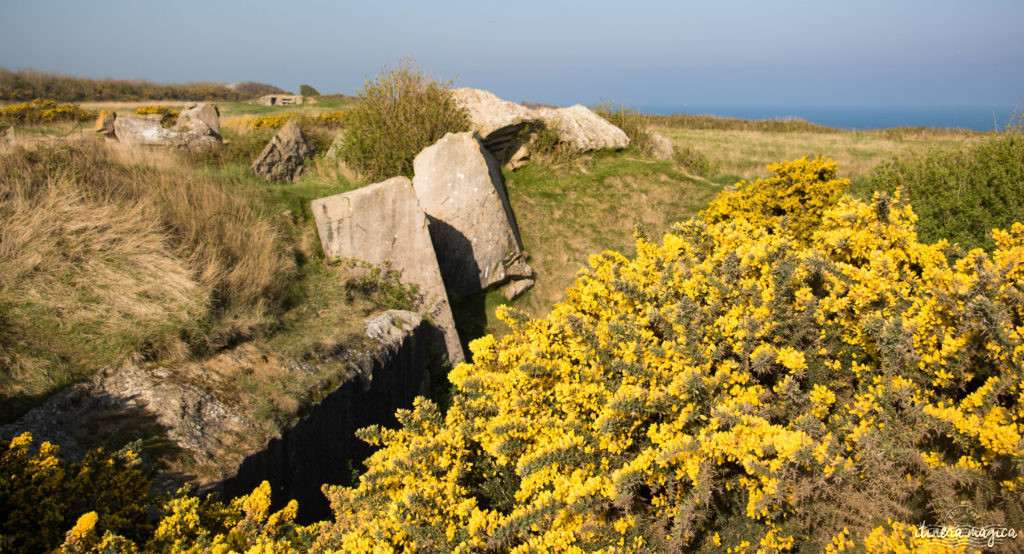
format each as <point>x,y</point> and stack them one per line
<point>544,145</point>
<point>693,160</point>
<point>400,113</point>
<point>383,287</point>
<point>307,90</point>
<point>961,195</point>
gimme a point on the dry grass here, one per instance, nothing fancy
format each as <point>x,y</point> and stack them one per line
<point>745,153</point>
<point>104,261</point>
<point>126,106</point>
<point>90,280</point>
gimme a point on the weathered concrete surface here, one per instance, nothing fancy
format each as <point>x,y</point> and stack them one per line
<point>199,118</point>
<point>280,100</point>
<point>282,158</point>
<point>583,129</point>
<point>460,187</point>
<point>384,224</point>
<point>499,124</point>
<point>146,132</point>
<point>321,448</point>
<point>141,402</point>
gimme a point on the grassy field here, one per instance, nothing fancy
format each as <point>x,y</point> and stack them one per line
<point>743,154</point>
<point>312,106</point>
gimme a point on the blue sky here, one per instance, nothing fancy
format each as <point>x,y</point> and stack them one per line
<point>794,53</point>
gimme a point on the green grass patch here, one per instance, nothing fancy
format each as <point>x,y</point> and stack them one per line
<point>569,211</point>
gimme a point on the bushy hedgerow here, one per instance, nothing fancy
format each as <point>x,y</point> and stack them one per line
<point>961,195</point>
<point>27,84</point>
<point>757,380</point>
<point>399,113</point>
<point>692,160</point>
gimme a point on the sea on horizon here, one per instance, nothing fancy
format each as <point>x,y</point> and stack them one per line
<point>977,118</point>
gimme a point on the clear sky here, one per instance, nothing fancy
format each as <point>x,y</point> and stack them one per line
<point>795,53</point>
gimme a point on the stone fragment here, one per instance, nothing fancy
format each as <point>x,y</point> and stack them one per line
<point>513,289</point>
<point>460,187</point>
<point>518,158</point>
<point>498,122</point>
<point>145,132</point>
<point>384,224</point>
<point>662,147</point>
<point>282,158</point>
<point>199,118</point>
<point>105,123</point>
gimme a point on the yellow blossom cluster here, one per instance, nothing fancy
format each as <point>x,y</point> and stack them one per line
<point>43,496</point>
<point>792,369</point>
<point>169,116</point>
<point>794,197</point>
<point>105,504</point>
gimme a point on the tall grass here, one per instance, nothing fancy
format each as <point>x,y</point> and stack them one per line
<point>103,262</point>
<point>631,122</point>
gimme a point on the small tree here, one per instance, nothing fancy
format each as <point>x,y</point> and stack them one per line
<point>400,113</point>
<point>307,90</point>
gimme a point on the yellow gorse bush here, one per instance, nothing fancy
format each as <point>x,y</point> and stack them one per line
<point>246,123</point>
<point>43,111</point>
<point>794,368</point>
<point>794,199</point>
<point>42,496</point>
<point>105,504</point>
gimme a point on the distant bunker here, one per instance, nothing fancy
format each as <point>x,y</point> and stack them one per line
<point>280,100</point>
